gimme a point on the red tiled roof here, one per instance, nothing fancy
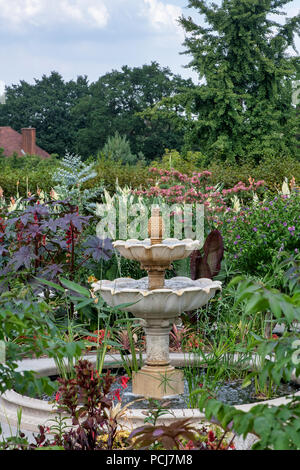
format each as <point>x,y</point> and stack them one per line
<point>12,141</point>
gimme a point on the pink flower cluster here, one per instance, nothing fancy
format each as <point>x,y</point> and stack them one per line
<point>240,186</point>
<point>176,187</point>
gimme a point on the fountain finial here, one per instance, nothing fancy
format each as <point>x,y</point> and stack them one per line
<point>155,227</point>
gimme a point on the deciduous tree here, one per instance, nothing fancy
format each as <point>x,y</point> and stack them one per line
<point>114,105</point>
<point>45,105</point>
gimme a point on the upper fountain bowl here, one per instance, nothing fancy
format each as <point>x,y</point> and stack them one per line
<point>163,253</point>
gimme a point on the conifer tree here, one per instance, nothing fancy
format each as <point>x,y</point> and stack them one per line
<point>118,149</point>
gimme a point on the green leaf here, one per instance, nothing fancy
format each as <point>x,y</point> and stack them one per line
<point>51,284</point>
<point>247,380</point>
<point>243,423</point>
<point>75,287</point>
<point>294,436</point>
<point>256,303</point>
<point>281,440</point>
<point>71,349</point>
<point>236,280</point>
<point>261,426</point>
<point>274,305</point>
<point>84,303</point>
<point>212,408</point>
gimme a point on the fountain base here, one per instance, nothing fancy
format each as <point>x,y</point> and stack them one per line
<point>157,381</point>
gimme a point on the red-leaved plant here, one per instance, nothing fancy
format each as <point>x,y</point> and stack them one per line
<point>179,435</point>
<point>88,400</point>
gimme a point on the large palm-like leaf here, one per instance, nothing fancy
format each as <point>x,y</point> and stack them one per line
<point>208,264</point>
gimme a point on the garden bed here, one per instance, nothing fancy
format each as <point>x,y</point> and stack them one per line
<point>37,412</point>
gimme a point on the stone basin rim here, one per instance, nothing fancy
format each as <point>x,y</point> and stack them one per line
<point>46,366</point>
<point>188,243</point>
<point>112,287</point>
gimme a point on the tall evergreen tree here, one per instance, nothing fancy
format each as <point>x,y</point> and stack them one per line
<point>117,148</point>
<point>243,105</point>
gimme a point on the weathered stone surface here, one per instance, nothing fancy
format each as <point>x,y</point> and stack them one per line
<point>157,382</point>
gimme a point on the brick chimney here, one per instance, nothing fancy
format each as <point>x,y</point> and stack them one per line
<point>28,140</point>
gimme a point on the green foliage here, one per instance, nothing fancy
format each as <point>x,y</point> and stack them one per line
<point>259,232</point>
<point>111,172</point>
<point>114,103</point>
<point>185,162</point>
<point>46,105</point>
<point>23,174</point>
<point>27,326</point>
<point>259,298</point>
<point>273,169</point>
<point>88,400</point>
<point>32,172</point>
<point>243,106</point>
<point>277,427</point>
<point>117,148</point>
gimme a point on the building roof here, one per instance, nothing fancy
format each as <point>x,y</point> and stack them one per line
<point>12,141</point>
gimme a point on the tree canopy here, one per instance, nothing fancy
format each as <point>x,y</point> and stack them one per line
<point>115,103</point>
<point>243,107</point>
<point>77,117</point>
<point>243,104</point>
<point>45,105</point>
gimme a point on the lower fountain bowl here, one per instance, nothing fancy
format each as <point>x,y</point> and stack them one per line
<point>179,294</point>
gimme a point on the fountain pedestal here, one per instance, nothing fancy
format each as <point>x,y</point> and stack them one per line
<point>157,378</point>
<point>157,381</point>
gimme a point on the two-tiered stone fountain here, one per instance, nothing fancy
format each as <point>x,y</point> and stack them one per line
<point>158,302</point>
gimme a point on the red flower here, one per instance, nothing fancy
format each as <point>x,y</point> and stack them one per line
<point>97,339</point>
<point>124,381</point>
<point>117,394</point>
<point>57,396</point>
<point>211,436</point>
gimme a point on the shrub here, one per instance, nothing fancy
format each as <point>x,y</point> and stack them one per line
<point>253,236</point>
<point>110,172</point>
<point>272,168</point>
<point>18,175</point>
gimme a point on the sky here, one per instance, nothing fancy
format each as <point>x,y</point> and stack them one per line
<point>92,37</point>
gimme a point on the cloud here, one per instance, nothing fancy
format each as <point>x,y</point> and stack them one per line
<point>16,11</point>
<point>162,15</point>
<point>19,15</point>
<point>91,12</point>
